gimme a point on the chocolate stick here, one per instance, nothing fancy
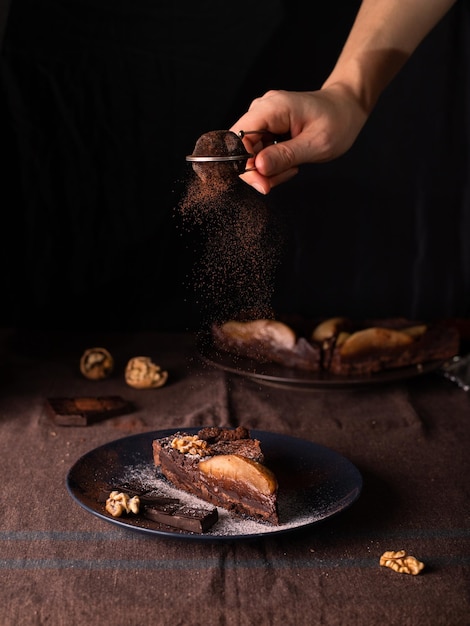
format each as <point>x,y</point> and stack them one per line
<point>183,517</point>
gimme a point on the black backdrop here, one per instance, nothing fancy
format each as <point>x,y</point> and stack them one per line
<point>100,102</point>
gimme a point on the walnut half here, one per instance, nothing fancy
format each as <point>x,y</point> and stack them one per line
<point>96,363</point>
<point>142,373</point>
<point>400,562</point>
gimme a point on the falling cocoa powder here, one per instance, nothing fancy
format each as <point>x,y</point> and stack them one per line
<point>234,277</point>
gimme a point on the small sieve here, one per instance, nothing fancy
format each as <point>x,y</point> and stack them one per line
<point>239,155</point>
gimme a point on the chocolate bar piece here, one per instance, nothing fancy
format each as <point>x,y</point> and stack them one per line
<point>194,520</point>
<point>83,411</point>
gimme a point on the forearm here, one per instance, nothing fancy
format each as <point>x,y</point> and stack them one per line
<point>383,37</point>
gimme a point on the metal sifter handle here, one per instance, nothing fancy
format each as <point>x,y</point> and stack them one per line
<point>218,159</point>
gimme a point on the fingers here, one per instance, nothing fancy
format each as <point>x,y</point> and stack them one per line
<point>271,166</point>
<point>277,158</point>
<point>321,125</point>
<point>264,184</point>
<point>268,114</point>
<point>273,163</point>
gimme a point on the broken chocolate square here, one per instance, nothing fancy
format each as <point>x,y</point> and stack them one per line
<point>83,411</point>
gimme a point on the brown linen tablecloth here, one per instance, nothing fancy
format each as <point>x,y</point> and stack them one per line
<point>63,566</point>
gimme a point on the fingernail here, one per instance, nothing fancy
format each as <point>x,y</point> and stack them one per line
<point>259,188</point>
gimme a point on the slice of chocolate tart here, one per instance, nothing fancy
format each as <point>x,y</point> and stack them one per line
<point>222,466</point>
<point>391,344</point>
<point>267,341</point>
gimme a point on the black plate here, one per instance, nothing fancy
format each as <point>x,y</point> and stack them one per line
<point>273,373</point>
<point>315,483</point>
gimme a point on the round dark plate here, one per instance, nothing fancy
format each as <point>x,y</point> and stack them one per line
<point>315,483</point>
<point>273,373</point>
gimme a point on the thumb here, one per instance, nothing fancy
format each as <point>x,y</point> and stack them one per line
<point>281,157</point>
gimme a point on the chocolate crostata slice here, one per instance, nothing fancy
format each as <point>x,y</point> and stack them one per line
<point>378,345</point>
<point>267,341</point>
<point>222,466</point>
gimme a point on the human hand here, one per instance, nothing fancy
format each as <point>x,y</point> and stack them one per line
<point>321,125</point>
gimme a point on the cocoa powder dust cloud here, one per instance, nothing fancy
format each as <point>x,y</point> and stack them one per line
<point>241,238</point>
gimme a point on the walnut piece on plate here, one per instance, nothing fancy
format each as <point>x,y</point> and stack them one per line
<point>119,503</point>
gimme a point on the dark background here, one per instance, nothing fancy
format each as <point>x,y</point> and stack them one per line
<point>100,102</point>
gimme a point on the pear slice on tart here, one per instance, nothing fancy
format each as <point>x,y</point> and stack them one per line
<point>241,470</point>
<point>374,338</point>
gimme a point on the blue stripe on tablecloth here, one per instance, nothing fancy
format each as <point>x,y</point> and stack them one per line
<point>88,536</point>
<point>59,535</point>
<point>197,563</point>
<point>207,563</point>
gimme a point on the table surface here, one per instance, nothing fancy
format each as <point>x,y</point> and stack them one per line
<point>61,565</point>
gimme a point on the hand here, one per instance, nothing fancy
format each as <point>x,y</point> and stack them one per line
<point>321,125</point>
